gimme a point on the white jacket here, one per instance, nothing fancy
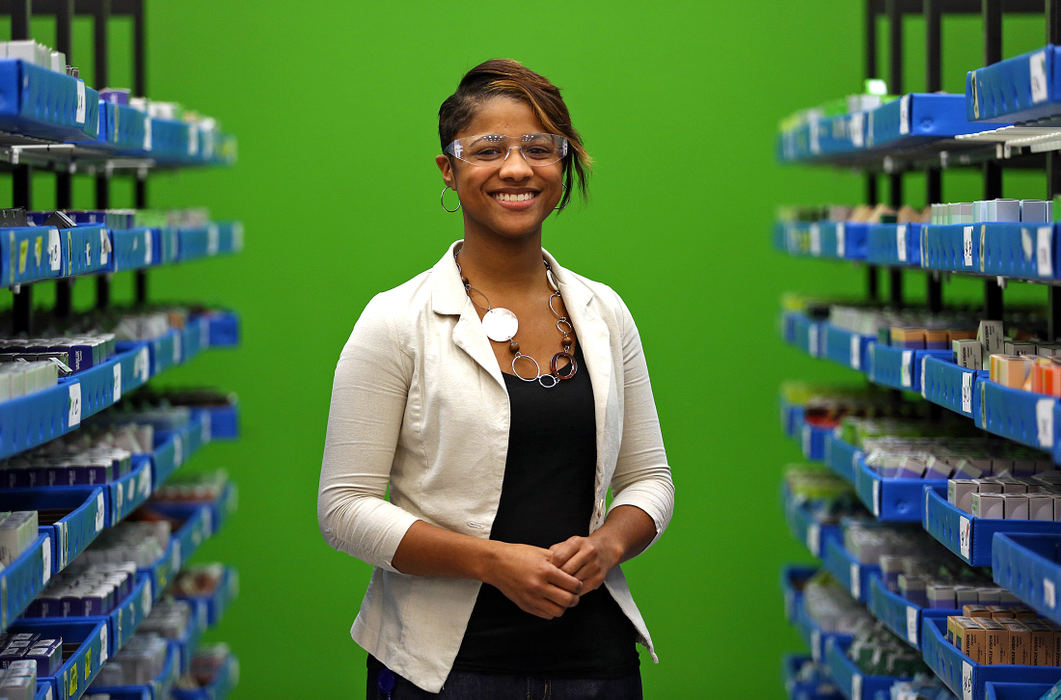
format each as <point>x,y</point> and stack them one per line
<point>419,405</point>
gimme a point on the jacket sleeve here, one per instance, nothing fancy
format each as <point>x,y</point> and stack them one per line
<point>368,401</point>
<point>642,477</point>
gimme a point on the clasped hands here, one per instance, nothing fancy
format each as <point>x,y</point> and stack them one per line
<point>546,582</point>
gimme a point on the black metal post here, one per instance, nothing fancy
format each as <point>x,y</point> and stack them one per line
<point>895,274</point>
<point>895,46</point>
<point>872,273</point>
<point>992,18</point>
<point>140,87</point>
<point>64,15</point>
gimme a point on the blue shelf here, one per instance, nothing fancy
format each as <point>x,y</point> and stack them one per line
<point>951,386</point>
<point>1017,250</point>
<point>854,576</point>
<point>805,528</point>
<point>812,440</point>
<point>44,104</point>
<point>219,422</point>
<point>814,636</point>
<point>965,677</point>
<point>802,332</point>
<point>892,500</point>
<point>1018,89</point>
<point>189,640</point>
<point>1015,691</point>
<point>853,684</point>
<point>1029,566</point>
<point>24,578</point>
<point>898,245</point>
<point>791,418</point>
<point>158,689</point>
<point>821,688</point>
<point>846,348</point>
<point>897,367</point>
<point>836,240</point>
<point>78,670</point>
<point>842,458</point>
<point>226,678</point>
<point>30,254</point>
<point>214,605</point>
<point>900,615</point>
<point>1019,415</point>
<point>126,494</point>
<point>71,534</point>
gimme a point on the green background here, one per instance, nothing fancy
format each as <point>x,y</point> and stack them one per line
<point>335,107</point>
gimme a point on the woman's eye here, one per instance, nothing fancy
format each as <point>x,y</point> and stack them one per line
<point>487,153</point>
<point>538,152</point>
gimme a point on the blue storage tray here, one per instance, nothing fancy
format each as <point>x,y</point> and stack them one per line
<point>87,514</point>
<point>953,247</point>
<point>894,244</point>
<point>842,457</point>
<point>1004,90</point>
<point>892,500</point>
<point>44,104</point>
<point>812,441</point>
<point>135,360</point>
<point>791,417</point>
<point>897,367</point>
<point>126,494</point>
<point>158,689</point>
<point>77,672</point>
<point>97,386</point>
<point>121,130</point>
<point>188,643</point>
<point>792,579</point>
<point>804,333</point>
<point>225,507</point>
<point>122,621</point>
<point>1027,251</point>
<point>30,254</point>
<point>1057,443</point>
<point>164,570</point>
<point>951,386</point>
<point>226,678</point>
<point>900,615</point>
<point>219,422</point>
<point>845,240</point>
<point>170,141</point>
<point>229,237</point>
<point>965,677</point>
<point>1015,691</point>
<point>821,688</point>
<point>813,635</point>
<point>853,684</point>
<point>215,604</point>
<point>853,575</point>
<point>23,579</point>
<point>168,455</point>
<point>195,242</point>
<point>35,419</point>
<point>134,248</point>
<point>803,525</point>
<point>224,329</point>
<point>165,351</point>
<point>846,348</point>
<point>85,250</point>
<point>918,117</point>
<point>1018,415</point>
<point>191,336</point>
<point>197,527</point>
<point>968,537</point>
<point>1029,566</point>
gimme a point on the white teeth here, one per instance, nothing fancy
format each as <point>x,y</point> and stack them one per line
<point>505,197</point>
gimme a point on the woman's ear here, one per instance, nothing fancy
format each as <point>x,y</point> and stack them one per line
<point>446,166</point>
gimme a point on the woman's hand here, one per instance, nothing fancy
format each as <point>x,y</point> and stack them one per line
<point>528,577</point>
<point>589,559</point>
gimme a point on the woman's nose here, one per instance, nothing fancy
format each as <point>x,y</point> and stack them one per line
<point>515,166</point>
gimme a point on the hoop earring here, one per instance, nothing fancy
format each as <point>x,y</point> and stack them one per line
<point>558,207</point>
<point>443,199</point>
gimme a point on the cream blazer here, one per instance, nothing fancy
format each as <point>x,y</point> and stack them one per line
<point>419,406</point>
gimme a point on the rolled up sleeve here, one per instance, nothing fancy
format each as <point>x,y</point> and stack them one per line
<point>367,405</point>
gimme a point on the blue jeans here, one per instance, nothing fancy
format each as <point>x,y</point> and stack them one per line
<point>480,686</point>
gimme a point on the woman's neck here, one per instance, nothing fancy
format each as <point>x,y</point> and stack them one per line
<point>502,262</point>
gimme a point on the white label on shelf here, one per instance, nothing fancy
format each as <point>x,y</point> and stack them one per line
<point>876,498</point>
<point>119,497</point>
<point>967,392</point>
<point>142,364</point>
<point>816,645</point>
<point>856,355</point>
<point>145,483</point>
<point>147,133</point>
<point>904,114</point>
<point>1049,593</point>
<point>104,247</point>
<point>815,145</point>
<point>857,122</point>
<point>46,560</point>
<point>869,129</point>
<point>967,681</point>
<point>900,242</point>
<point>1044,259</point>
<point>208,522</point>
<point>911,624</point>
<point>1044,421</point>
<point>177,348</point>
<point>841,242</point>
<point>967,246</point>
<point>856,582</point>
<point>74,404</point>
<point>806,440</point>
<point>904,368</point>
<point>812,340</point>
<point>854,462</point>
<point>101,511</point>
<point>193,139</point>
<point>148,257</point>
<point>1037,70</point>
<point>82,106</point>
<point>924,361</point>
<point>178,450</point>
<point>145,599</point>
<point>856,687</point>
<point>55,255</point>
<point>48,694</point>
<point>117,382</point>
<point>206,434</point>
<point>103,652</point>
<point>815,239</point>
<point>213,239</point>
<point>814,532</point>
<point>175,562</point>
<point>964,536</point>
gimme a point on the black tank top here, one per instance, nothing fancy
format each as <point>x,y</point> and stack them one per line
<point>546,497</point>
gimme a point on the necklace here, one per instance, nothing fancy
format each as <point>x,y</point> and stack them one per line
<point>501,326</point>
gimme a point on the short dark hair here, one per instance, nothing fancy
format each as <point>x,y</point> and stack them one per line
<point>504,77</point>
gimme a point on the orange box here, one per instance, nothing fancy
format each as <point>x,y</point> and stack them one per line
<point>975,610</point>
<point>1019,641</point>
<point>1013,371</point>
<point>1042,644</point>
<point>997,638</point>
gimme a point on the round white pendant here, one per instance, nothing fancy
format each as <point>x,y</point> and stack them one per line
<point>500,324</point>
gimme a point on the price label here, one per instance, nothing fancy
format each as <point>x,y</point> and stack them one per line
<point>856,355</point>
<point>117,382</point>
<point>1044,421</point>
<point>193,139</point>
<point>967,392</point>
<point>55,255</point>
<point>815,239</point>
<point>967,681</point>
<point>73,403</point>
<point>1049,593</point>
<point>1037,72</point>
<point>812,340</point>
<point>814,532</point>
<point>869,129</point>
<point>1044,258</point>
<point>806,440</point>
<point>147,133</point>
<point>145,483</point>
<point>855,126</point>
<point>103,652</point>
<point>177,348</point>
<point>911,624</point>
<point>148,257</point>
<point>175,561</point>
<point>965,537</point>
<point>904,368</point>
<point>967,246</point>
<point>904,115</point>
<point>900,242</point>
<point>841,242</point>
<point>46,560</point>
<point>104,247</point>
<point>142,364</point>
<point>816,645</point>
<point>82,107</point>
<point>924,363</point>
<point>100,511</point>
<point>856,582</point>
<point>815,144</point>
<point>213,239</point>
<point>206,434</point>
<point>876,498</point>
<point>854,462</point>
<point>178,451</point>
<point>856,687</point>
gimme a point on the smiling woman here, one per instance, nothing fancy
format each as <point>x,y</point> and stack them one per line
<point>497,398</point>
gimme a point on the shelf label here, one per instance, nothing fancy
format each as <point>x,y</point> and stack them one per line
<point>841,242</point>
<point>46,560</point>
<point>967,246</point>
<point>967,392</point>
<point>145,483</point>
<point>816,645</point>
<point>856,356</point>
<point>82,106</point>
<point>1044,259</point>
<point>900,242</point>
<point>904,115</point>
<point>213,239</point>
<point>856,582</point>
<point>876,498</point>
<point>806,440</point>
<point>142,364</point>
<point>103,653</point>
<point>73,403</point>
<point>55,256</point>
<point>856,687</point>
<point>904,368</point>
<point>100,511</point>
<point>104,247</point>
<point>814,536</point>
<point>967,681</point>
<point>815,145</point>
<point>178,450</point>
<point>812,340</point>
<point>911,624</point>
<point>1037,73</point>
<point>815,240</point>
<point>965,537</point>
<point>145,599</point>
<point>206,434</point>
<point>147,133</point>
<point>854,462</point>
<point>924,362</point>
<point>177,348</point>
<point>117,382</point>
<point>1044,421</point>
<point>1049,593</point>
<point>857,122</point>
<point>869,129</point>
<point>175,562</point>
<point>193,139</point>
<point>148,257</point>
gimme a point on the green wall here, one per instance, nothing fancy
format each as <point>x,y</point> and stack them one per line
<point>335,108</point>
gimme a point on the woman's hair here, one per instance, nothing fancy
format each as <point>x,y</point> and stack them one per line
<point>503,77</point>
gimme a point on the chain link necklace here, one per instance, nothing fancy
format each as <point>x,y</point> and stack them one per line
<point>501,326</point>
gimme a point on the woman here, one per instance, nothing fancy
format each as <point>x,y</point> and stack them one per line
<point>497,397</point>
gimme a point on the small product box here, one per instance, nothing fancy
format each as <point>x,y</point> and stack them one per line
<point>968,353</point>
<point>991,337</point>
<point>1040,506</point>
<point>988,505</point>
<point>960,493</point>
<point>1015,506</point>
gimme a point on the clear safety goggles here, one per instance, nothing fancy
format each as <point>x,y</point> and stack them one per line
<point>494,149</point>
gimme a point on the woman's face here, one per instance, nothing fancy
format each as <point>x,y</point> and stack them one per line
<point>484,189</point>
